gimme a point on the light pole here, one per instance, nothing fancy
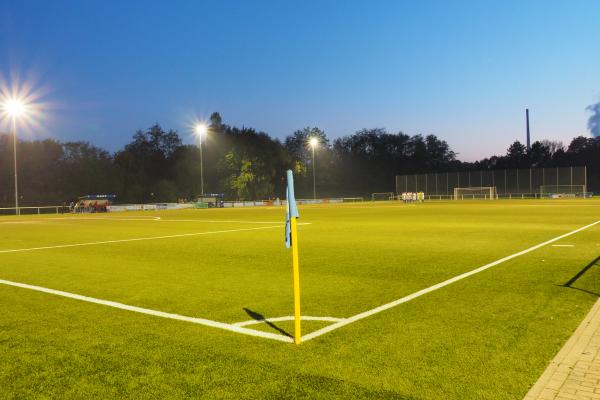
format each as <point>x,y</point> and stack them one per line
<point>201,129</point>
<point>15,108</point>
<point>313,143</point>
<point>14,129</point>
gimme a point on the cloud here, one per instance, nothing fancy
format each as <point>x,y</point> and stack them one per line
<point>594,121</point>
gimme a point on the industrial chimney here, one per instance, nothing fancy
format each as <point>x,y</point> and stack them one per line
<point>527,123</point>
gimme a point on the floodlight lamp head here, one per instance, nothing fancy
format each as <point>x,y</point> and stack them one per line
<point>201,129</point>
<point>313,142</point>
<point>14,108</point>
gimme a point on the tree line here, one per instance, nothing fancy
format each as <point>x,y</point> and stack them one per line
<point>245,164</point>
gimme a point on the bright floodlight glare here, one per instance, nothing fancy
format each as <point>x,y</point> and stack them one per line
<point>314,141</point>
<point>14,107</point>
<point>201,129</point>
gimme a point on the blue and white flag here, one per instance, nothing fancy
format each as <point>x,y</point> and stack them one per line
<point>290,208</point>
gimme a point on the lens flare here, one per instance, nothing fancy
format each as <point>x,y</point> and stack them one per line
<point>20,102</point>
<point>14,108</point>
<point>200,129</point>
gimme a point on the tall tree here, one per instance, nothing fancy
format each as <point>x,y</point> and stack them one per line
<point>540,154</point>
<point>85,169</point>
<point>246,164</point>
<point>298,143</point>
<point>146,161</point>
<point>517,155</point>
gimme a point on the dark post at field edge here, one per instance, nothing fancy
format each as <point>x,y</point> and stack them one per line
<point>527,123</point>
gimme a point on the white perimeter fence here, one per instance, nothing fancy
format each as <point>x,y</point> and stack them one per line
<point>34,210</point>
<point>266,203</point>
<point>509,196</point>
<point>170,206</point>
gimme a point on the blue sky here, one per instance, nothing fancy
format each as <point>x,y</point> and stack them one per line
<point>464,71</point>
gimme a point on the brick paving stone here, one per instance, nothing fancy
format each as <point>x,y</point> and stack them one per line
<point>574,374</point>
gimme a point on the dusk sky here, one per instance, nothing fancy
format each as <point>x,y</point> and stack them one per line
<point>464,71</point>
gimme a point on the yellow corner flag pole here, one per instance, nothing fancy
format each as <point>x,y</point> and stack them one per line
<point>291,240</point>
<point>296,273</point>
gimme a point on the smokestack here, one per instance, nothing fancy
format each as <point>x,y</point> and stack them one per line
<point>527,123</point>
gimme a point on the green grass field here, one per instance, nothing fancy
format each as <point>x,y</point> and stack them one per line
<point>488,336</point>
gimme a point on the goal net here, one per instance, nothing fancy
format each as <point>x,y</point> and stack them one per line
<point>471,193</point>
<point>562,190</point>
<point>382,196</point>
<point>352,199</point>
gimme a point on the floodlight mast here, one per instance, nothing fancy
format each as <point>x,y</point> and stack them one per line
<point>14,128</point>
<point>201,129</point>
<point>15,108</point>
<point>313,143</point>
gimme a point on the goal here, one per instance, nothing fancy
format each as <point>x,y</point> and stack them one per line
<point>472,193</point>
<point>562,190</point>
<point>352,199</point>
<point>382,196</point>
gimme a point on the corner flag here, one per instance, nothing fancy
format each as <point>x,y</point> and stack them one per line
<point>290,208</point>
<point>291,240</point>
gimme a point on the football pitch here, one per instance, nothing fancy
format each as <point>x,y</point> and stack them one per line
<point>452,300</point>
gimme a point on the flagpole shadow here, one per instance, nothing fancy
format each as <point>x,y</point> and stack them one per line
<point>259,317</point>
<point>575,278</point>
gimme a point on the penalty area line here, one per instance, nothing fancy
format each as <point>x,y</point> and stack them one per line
<point>440,285</point>
<point>62,246</point>
<point>147,311</point>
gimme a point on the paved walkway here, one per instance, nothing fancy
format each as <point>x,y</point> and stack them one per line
<point>574,374</point>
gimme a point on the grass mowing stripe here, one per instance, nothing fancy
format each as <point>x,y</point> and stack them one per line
<point>199,321</point>
<point>440,285</point>
<point>136,239</point>
<point>493,337</point>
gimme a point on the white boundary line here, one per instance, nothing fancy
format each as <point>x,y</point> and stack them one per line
<point>75,218</point>
<point>218,222</point>
<point>31,221</point>
<point>228,221</point>
<point>239,326</point>
<point>149,218</point>
<point>287,318</point>
<point>563,245</point>
<point>440,285</point>
<point>199,321</point>
<point>136,239</point>
<point>133,218</point>
<point>142,219</point>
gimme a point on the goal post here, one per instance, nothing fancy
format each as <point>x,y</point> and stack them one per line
<point>380,196</point>
<point>554,190</point>
<point>474,193</point>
